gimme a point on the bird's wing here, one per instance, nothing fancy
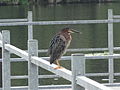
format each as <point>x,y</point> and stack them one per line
<point>57,46</point>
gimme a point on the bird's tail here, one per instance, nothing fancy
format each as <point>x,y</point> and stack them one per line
<point>51,60</point>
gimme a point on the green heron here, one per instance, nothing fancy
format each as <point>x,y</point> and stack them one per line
<point>59,44</point>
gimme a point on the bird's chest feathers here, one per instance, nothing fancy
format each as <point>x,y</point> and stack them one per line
<point>67,36</point>
<point>68,39</point>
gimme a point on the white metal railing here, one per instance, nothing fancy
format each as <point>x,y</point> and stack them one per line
<point>12,20</point>
<point>78,64</point>
<point>60,22</point>
<point>34,61</point>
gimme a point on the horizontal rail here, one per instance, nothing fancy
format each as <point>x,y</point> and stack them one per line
<point>116,16</point>
<point>60,22</point>
<point>96,74</point>
<point>100,74</point>
<point>40,76</point>
<point>54,86</point>
<point>57,76</point>
<point>82,49</point>
<point>116,74</point>
<point>12,20</point>
<point>41,87</point>
<point>78,50</point>
<point>15,60</point>
<point>112,84</point>
<point>92,56</point>
<point>116,56</point>
<point>90,84</point>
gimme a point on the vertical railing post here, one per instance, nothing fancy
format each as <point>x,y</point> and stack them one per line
<point>6,83</point>
<point>0,36</point>
<point>78,68</point>
<point>1,63</point>
<point>32,68</point>
<point>110,46</point>
<point>30,27</point>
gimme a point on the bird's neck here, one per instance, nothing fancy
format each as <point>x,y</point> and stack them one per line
<point>67,36</point>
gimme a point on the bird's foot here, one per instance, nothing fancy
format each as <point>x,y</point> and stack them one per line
<point>58,67</point>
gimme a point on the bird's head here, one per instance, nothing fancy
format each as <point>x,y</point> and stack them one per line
<point>68,30</point>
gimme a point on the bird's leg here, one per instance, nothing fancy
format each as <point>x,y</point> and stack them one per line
<point>58,67</point>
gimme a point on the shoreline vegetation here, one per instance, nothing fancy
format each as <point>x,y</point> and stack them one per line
<point>21,2</point>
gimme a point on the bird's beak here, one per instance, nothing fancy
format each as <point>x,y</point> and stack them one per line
<point>75,31</point>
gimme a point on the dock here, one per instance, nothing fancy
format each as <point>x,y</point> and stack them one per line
<point>77,75</point>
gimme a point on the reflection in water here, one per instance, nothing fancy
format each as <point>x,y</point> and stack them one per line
<point>93,35</point>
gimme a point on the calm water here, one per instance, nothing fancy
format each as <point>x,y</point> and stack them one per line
<point>94,35</point>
